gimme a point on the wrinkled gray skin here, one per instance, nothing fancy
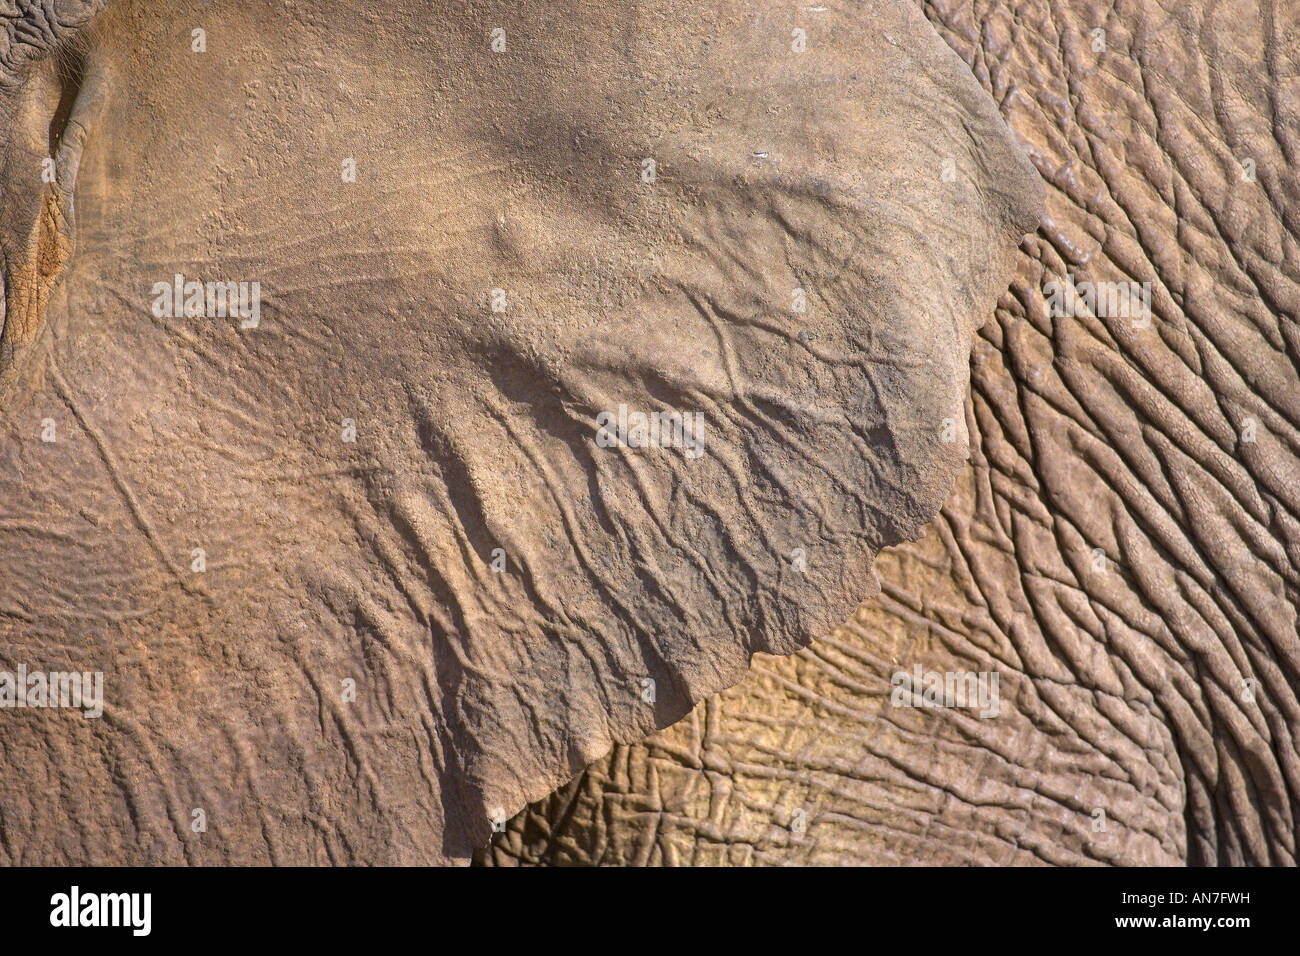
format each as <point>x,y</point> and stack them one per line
<point>318,649</point>
<point>1149,698</point>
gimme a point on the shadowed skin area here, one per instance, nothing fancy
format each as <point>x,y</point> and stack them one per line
<point>1149,699</point>
<point>304,636</point>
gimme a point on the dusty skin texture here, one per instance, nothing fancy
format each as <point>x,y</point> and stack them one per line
<point>870,171</point>
<point>1122,683</point>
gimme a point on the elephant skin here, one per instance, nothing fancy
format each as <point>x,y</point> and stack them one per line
<point>1124,550</point>
<point>305,347</point>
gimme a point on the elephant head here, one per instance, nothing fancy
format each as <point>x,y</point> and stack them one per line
<point>403,406</point>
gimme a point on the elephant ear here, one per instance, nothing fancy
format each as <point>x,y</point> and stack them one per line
<point>47,109</point>
<point>784,225</point>
<point>826,210</point>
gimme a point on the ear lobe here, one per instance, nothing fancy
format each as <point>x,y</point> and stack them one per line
<point>53,116</point>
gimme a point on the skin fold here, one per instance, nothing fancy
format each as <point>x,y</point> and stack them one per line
<point>359,576</point>
<point>1149,698</point>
